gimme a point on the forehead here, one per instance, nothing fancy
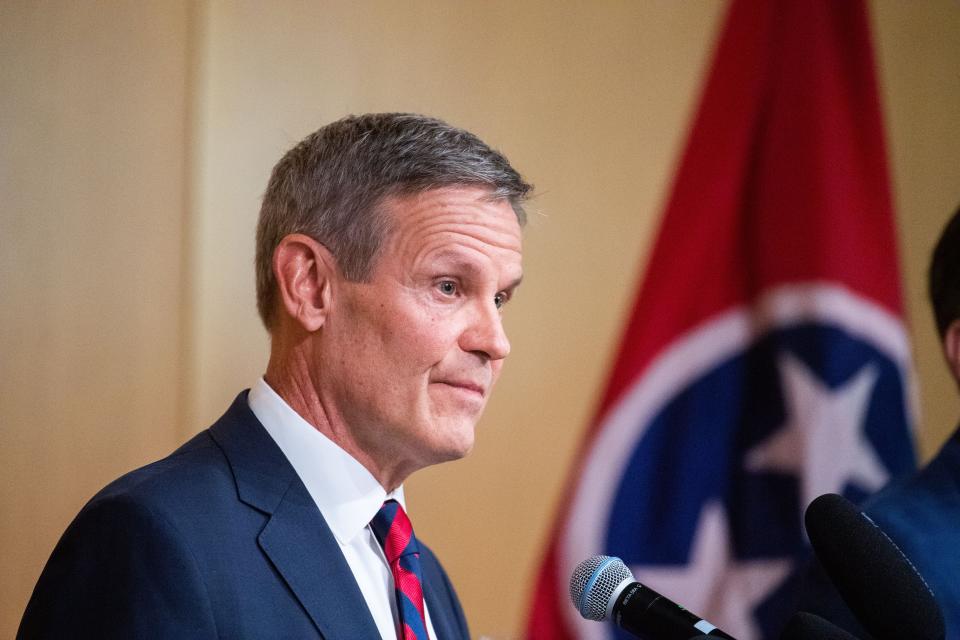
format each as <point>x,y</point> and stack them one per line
<point>451,219</point>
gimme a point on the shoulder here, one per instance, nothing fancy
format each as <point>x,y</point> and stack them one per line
<point>148,512</point>
<point>920,514</point>
<point>202,474</point>
<point>925,501</point>
<point>123,568</point>
<point>194,469</point>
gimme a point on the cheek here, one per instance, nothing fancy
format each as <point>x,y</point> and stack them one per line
<point>420,340</point>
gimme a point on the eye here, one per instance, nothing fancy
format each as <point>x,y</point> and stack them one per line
<point>500,299</point>
<point>447,287</point>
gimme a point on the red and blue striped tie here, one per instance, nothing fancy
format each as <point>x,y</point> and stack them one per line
<point>393,530</point>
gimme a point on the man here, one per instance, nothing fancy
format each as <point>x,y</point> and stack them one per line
<point>386,247</point>
<point>921,512</point>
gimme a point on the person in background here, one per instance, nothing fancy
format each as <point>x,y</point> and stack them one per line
<point>386,250</point>
<point>920,512</point>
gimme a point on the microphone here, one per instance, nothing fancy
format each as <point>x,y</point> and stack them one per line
<point>806,626</point>
<point>602,586</point>
<point>877,581</point>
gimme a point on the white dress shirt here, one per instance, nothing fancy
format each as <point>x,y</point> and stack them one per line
<point>347,495</point>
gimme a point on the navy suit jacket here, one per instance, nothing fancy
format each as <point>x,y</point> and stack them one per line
<point>921,514</point>
<point>218,540</point>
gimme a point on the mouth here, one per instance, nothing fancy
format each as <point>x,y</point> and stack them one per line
<point>466,386</point>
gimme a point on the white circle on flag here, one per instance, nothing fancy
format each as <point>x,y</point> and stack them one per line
<point>625,423</point>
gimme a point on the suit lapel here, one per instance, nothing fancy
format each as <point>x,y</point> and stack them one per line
<point>304,551</point>
<point>296,538</point>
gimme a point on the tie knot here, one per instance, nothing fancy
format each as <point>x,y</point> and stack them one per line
<point>394,531</point>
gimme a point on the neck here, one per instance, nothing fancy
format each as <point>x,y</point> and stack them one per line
<point>295,374</point>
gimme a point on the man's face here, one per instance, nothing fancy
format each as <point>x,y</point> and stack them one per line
<point>412,355</point>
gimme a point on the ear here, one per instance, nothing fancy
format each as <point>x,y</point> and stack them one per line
<point>951,348</point>
<point>304,268</point>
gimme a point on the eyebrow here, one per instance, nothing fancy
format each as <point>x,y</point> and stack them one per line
<point>515,283</point>
<point>456,261</point>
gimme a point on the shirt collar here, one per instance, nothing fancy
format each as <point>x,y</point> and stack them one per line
<point>344,490</point>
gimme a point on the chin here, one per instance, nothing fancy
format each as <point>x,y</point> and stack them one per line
<point>454,439</point>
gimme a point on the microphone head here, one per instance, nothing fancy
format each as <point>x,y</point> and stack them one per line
<point>880,585</point>
<point>594,582</point>
<point>804,626</point>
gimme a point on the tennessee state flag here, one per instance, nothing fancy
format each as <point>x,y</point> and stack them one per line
<point>765,361</point>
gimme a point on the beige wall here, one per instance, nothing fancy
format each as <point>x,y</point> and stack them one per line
<point>92,103</point>
<point>136,139</point>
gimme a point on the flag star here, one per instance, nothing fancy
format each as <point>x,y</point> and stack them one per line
<point>715,585</point>
<point>823,440</point>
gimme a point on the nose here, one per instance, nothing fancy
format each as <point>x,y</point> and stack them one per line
<point>485,334</point>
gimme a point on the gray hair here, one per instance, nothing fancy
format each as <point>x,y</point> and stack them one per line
<point>330,187</point>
